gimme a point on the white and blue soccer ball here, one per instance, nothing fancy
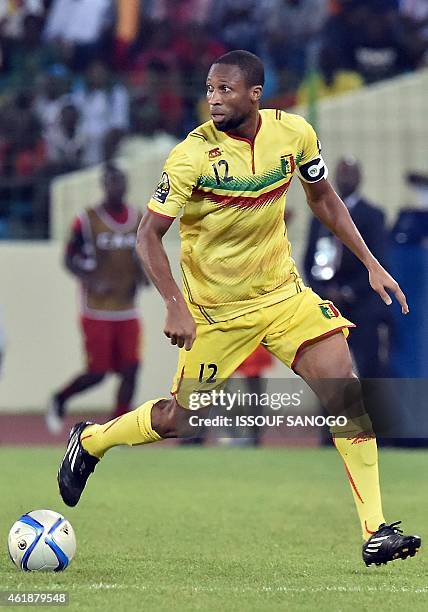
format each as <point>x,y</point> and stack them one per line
<point>42,540</point>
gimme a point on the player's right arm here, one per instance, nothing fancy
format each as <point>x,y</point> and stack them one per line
<point>80,259</point>
<point>76,260</point>
<point>179,324</point>
<point>173,191</point>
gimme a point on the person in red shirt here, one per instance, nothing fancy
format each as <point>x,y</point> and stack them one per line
<point>101,255</point>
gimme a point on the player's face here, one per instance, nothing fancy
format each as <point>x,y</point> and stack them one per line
<point>230,99</point>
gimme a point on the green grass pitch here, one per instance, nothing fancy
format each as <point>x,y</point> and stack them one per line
<point>220,529</point>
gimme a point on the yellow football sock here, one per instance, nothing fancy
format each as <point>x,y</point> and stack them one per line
<point>132,428</point>
<point>356,443</point>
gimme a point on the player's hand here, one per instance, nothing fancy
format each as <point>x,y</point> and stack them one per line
<point>179,325</point>
<point>381,281</point>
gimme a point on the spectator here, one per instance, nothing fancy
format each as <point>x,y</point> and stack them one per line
<point>22,160</point>
<point>411,226</point>
<point>290,29</point>
<point>237,22</point>
<point>414,14</point>
<point>417,12</point>
<point>284,94</point>
<point>26,57</point>
<point>364,37</point>
<point>159,50</point>
<point>51,96</point>
<point>351,41</point>
<point>195,50</point>
<point>337,275</point>
<point>380,7</point>
<point>159,104</point>
<point>409,263</point>
<point>66,142</point>
<point>104,106</point>
<point>78,27</point>
<point>22,150</point>
<point>12,16</point>
<point>183,13</point>
<point>126,29</point>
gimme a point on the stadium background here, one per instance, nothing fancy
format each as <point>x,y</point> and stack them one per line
<point>163,49</point>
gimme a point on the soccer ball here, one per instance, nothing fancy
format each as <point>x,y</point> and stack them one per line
<point>42,540</point>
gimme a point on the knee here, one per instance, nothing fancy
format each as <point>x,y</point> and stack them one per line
<point>342,394</point>
<point>342,369</point>
<point>345,372</point>
<point>95,377</point>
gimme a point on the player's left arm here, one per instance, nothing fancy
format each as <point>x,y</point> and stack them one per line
<point>332,212</point>
<point>141,278</point>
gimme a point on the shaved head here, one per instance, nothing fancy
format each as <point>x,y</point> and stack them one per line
<point>347,176</point>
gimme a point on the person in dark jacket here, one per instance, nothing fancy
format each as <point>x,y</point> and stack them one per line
<point>336,274</point>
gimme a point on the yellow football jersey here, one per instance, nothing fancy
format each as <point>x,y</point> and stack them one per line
<point>235,254</point>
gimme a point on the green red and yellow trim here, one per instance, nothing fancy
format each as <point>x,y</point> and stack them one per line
<point>245,202</point>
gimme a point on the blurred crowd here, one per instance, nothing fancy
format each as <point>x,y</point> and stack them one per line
<point>79,77</point>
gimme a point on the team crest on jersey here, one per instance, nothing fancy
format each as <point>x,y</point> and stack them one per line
<point>213,153</point>
<point>162,190</point>
<point>329,310</point>
<point>288,164</point>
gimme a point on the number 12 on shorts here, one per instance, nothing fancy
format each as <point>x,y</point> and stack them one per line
<point>207,373</point>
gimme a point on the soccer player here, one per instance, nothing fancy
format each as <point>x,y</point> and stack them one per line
<point>228,179</point>
<point>101,254</point>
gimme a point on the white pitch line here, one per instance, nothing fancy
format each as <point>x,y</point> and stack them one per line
<point>262,589</point>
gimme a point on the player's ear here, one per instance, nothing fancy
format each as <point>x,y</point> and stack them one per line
<point>256,93</point>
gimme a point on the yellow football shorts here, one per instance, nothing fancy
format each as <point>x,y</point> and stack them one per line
<point>283,328</point>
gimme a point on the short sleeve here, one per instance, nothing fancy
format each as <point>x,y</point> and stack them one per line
<point>176,184</point>
<point>311,167</point>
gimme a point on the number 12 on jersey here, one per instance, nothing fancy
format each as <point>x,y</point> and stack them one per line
<point>225,178</point>
<point>207,373</point>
